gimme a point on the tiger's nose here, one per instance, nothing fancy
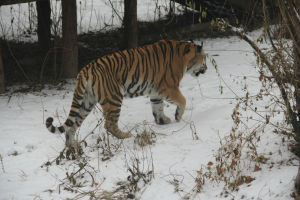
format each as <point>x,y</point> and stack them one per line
<point>203,69</point>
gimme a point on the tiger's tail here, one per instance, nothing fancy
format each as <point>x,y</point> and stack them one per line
<point>78,98</point>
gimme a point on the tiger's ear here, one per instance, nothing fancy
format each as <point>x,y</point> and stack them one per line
<point>191,40</point>
<point>199,48</point>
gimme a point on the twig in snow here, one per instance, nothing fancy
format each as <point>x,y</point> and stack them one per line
<point>2,164</point>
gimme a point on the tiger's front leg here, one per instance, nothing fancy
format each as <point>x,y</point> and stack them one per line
<point>111,115</point>
<point>157,105</point>
<point>70,137</point>
<point>175,96</point>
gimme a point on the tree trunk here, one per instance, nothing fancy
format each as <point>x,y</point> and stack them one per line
<point>2,80</point>
<point>70,49</point>
<point>44,22</point>
<point>130,23</point>
<point>289,11</point>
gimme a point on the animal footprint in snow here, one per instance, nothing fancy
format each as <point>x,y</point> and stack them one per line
<point>30,147</point>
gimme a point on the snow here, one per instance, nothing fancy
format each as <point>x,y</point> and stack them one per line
<point>174,157</point>
<point>25,143</point>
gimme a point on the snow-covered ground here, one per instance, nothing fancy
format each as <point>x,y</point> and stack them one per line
<point>25,143</point>
<point>175,156</point>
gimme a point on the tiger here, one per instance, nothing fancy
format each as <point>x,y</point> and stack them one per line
<point>153,70</point>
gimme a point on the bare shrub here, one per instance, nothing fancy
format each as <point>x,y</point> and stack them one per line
<point>140,173</point>
<point>278,67</point>
<point>144,135</point>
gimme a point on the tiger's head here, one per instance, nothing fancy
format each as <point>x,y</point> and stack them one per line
<point>196,58</point>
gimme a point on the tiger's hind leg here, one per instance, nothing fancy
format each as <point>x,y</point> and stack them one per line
<point>157,105</point>
<point>85,108</point>
<point>111,115</point>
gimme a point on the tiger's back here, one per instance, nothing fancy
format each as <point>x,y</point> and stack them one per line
<point>153,70</point>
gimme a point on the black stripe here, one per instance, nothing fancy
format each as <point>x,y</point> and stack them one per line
<point>129,58</point>
<point>52,129</point>
<point>102,59</point>
<point>75,105</point>
<point>163,49</point>
<point>113,103</point>
<point>172,72</point>
<point>142,56</point>
<point>178,48</point>
<point>150,66</point>
<point>136,91</point>
<point>171,49</point>
<point>79,116</point>
<point>94,72</point>
<point>103,102</point>
<point>117,98</point>
<point>109,62</point>
<point>156,55</point>
<point>124,57</point>
<point>69,123</point>
<point>117,66</point>
<point>125,74</point>
<point>61,129</point>
<point>132,58</point>
<point>117,111</point>
<point>73,113</point>
<point>156,101</point>
<point>49,122</point>
<point>86,109</point>
<point>77,96</point>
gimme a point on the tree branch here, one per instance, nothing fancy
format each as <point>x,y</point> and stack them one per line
<point>269,65</point>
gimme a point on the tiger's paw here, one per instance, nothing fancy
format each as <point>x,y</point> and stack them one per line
<point>177,116</point>
<point>126,135</point>
<point>162,120</point>
<point>121,135</point>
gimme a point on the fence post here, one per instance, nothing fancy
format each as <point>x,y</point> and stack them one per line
<point>2,80</point>
<point>69,29</point>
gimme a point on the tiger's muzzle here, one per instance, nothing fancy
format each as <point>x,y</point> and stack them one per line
<point>201,70</point>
